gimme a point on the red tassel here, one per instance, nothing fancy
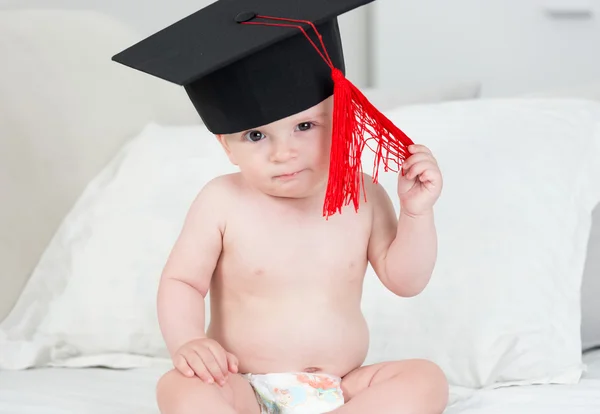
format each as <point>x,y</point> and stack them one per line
<point>355,122</point>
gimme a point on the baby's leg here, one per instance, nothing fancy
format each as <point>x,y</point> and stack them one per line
<point>177,394</point>
<point>403,387</point>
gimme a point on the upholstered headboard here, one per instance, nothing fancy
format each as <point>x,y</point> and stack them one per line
<point>65,108</point>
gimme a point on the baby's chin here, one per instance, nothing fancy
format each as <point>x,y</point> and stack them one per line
<point>294,188</point>
<point>288,192</point>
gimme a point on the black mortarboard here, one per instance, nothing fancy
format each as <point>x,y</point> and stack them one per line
<point>242,70</point>
<point>243,76</point>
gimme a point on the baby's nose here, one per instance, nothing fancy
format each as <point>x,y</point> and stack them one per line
<point>283,150</point>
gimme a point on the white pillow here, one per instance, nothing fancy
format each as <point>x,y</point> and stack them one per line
<point>590,307</point>
<point>503,306</point>
<point>94,290</point>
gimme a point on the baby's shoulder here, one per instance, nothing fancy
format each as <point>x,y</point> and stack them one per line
<point>211,205</point>
<point>219,190</point>
<point>374,191</point>
<point>222,184</point>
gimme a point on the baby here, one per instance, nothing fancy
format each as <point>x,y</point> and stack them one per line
<point>286,332</point>
<point>286,284</point>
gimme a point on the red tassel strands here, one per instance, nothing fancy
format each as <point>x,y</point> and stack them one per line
<point>355,122</point>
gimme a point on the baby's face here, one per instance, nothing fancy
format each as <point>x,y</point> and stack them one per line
<point>288,158</point>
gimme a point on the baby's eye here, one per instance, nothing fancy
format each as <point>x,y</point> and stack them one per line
<point>304,126</point>
<point>254,136</point>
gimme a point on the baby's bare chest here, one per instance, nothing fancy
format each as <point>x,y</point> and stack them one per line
<point>274,252</point>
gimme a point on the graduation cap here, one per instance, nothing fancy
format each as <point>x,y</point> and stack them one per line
<point>248,63</point>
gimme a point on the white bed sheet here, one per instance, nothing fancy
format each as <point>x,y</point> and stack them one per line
<point>78,391</point>
<point>583,398</point>
<point>108,391</point>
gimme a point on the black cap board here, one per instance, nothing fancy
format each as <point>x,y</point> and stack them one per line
<point>240,76</point>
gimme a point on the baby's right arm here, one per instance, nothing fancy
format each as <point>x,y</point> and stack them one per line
<point>187,274</point>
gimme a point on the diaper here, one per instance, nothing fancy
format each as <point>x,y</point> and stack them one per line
<point>297,393</point>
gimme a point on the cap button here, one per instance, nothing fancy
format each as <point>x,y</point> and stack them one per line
<point>245,16</point>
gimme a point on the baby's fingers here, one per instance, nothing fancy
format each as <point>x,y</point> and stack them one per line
<point>413,159</point>
<point>182,366</point>
<point>197,364</point>
<point>419,168</point>
<point>232,363</point>
<point>220,357</point>
<point>212,365</point>
<point>416,148</point>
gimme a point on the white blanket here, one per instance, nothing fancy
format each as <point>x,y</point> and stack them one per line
<point>108,391</point>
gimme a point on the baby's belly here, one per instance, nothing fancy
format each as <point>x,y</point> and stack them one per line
<point>292,336</point>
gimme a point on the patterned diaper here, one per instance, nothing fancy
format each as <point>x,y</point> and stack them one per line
<point>297,393</point>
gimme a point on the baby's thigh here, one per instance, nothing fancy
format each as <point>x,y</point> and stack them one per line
<point>177,394</point>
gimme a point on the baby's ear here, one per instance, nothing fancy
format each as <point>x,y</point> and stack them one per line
<point>225,144</point>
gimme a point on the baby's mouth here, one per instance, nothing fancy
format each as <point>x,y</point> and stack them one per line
<point>288,175</point>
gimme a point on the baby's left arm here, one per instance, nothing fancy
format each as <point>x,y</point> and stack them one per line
<point>403,251</point>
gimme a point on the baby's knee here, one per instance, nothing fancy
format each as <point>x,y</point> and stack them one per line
<point>167,381</point>
<point>178,394</point>
<point>437,384</point>
<point>432,370</point>
<point>168,390</point>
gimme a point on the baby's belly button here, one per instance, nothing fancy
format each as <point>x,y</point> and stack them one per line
<point>287,357</point>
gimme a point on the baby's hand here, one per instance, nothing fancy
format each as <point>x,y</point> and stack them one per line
<point>206,359</point>
<point>421,184</point>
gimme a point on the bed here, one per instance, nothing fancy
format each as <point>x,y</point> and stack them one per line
<point>92,156</point>
<point>97,390</point>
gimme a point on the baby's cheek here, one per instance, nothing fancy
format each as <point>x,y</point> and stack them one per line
<point>250,161</point>
<point>323,154</point>
<point>326,145</point>
<point>259,171</point>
